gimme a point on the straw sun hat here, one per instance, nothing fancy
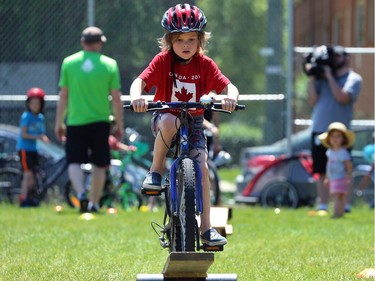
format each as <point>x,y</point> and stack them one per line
<point>350,136</point>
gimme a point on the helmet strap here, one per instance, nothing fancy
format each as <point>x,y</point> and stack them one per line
<point>176,59</point>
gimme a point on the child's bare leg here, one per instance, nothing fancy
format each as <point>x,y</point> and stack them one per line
<point>167,128</point>
<point>210,237</point>
<point>342,203</point>
<point>339,205</point>
<point>205,216</point>
<point>27,183</point>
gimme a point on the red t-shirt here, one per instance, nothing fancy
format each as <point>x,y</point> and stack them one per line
<point>195,79</point>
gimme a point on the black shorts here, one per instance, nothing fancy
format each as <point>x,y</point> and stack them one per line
<point>88,144</point>
<point>29,160</point>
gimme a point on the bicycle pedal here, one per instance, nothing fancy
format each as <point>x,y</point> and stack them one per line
<point>208,248</point>
<point>151,192</point>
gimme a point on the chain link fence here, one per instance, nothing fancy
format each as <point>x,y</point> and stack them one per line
<point>38,35</point>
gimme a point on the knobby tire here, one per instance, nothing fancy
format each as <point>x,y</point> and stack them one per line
<point>184,226</point>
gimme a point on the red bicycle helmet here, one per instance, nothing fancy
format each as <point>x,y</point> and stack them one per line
<point>35,93</point>
<point>184,18</point>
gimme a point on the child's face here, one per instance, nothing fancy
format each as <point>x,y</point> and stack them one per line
<point>185,45</point>
<point>336,139</point>
<point>34,105</point>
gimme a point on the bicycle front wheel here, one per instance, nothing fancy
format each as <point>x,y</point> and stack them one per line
<point>186,226</point>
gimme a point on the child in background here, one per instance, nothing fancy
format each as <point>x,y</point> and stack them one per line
<point>114,143</point>
<point>369,155</point>
<point>32,128</point>
<point>181,72</point>
<point>339,166</point>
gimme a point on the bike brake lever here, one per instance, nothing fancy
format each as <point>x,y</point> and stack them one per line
<point>221,110</point>
<point>218,107</point>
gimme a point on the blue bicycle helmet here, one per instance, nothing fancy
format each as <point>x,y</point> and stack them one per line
<point>184,18</point>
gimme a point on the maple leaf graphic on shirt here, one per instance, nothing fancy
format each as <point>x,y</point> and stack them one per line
<point>183,95</point>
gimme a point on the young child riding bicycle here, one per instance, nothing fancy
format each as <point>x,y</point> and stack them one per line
<point>181,72</point>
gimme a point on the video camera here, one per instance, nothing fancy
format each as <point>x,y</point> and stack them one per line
<point>319,57</point>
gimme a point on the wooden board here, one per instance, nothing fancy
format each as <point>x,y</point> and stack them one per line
<point>188,265</point>
<point>210,277</point>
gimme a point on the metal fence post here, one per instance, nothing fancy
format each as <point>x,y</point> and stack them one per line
<point>90,12</point>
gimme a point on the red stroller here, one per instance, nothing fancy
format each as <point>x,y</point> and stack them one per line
<point>285,181</point>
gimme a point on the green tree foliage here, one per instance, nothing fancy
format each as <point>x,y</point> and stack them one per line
<point>238,30</point>
<point>49,30</point>
<point>238,34</point>
<point>132,28</point>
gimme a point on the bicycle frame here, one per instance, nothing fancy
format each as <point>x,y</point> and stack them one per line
<point>184,153</point>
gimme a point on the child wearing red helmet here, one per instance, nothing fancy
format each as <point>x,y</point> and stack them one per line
<point>32,128</point>
<point>181,72</point>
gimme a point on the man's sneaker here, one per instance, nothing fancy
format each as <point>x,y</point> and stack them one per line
<point>212,238</point>
<point>83,203</point>
<point>152,182</point>
<point>93,209</point>
<point>34,202</point>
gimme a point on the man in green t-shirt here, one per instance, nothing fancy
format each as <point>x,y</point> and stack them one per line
<point>87,80</point>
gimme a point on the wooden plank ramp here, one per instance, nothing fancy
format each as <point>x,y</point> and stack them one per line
<point>188,264</point>
<point>193,266</point>
<point>210,277</point>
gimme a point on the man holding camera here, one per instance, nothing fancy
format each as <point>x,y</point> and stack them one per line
<point>332,90</point>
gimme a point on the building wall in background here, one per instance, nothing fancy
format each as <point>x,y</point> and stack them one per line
<point>349,23</point>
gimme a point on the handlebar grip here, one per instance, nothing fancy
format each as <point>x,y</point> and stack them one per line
<point>128,107</point>
<point>218,106</point>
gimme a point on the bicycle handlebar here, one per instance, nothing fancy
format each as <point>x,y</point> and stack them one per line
<point>159,105</point>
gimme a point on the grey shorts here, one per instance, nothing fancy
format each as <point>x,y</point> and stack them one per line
<point>196,132</point>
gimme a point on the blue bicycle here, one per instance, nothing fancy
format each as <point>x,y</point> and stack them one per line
<point>183,186</point>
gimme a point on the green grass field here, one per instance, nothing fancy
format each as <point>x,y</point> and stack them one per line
<point>41,244</point>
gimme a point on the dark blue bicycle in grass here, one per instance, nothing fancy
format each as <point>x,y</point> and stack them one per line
<point>183,186</point>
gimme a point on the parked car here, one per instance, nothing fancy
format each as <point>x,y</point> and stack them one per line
<point>265,166</point>
<point>50,153</point>
<point>8,142</point>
